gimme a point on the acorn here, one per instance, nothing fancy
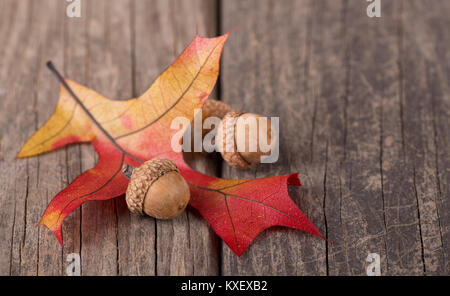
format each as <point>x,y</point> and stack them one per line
<point>156,189</point>
<point>227,139</point>
<point>215,108</point>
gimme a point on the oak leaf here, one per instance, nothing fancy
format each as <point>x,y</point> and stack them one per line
<point>136,130</point>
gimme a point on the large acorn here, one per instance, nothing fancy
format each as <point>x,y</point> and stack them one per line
<point>157,189</point>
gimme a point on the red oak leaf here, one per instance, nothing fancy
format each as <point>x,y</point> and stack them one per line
<point>238,210</point>
<point>134,131</point>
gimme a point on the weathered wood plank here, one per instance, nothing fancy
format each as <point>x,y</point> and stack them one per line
<point>28,42</point>
<point>185,245</point>
<point>24,246</point>
<point>354,145</point>
<point>438,81</point>
<point>15,185</point>
<point>403,247</point>
<point>328,81</point>
<point>373,205</point>
<point>424,59</point>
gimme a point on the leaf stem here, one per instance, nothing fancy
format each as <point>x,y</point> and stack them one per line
<point>127,170</point>
<point>88,113</point>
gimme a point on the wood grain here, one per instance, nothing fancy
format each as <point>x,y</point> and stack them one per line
<point>364,116</point>
<point>403,248</point>
<point>35,181</point>
<point>350,113</point>
<point>425,68</point>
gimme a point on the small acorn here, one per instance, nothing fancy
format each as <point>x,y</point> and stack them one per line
<point>215,108</point>
<point>157,189</point>
<point>228,138</point>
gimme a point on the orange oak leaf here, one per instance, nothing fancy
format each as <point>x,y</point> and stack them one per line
<point>136,130</point>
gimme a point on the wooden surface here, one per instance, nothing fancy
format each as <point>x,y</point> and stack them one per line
<point>364,111</point>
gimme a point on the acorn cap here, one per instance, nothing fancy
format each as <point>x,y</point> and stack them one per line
<point>225,138</point>
<point>215,108</point>
<point>141,180</point>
